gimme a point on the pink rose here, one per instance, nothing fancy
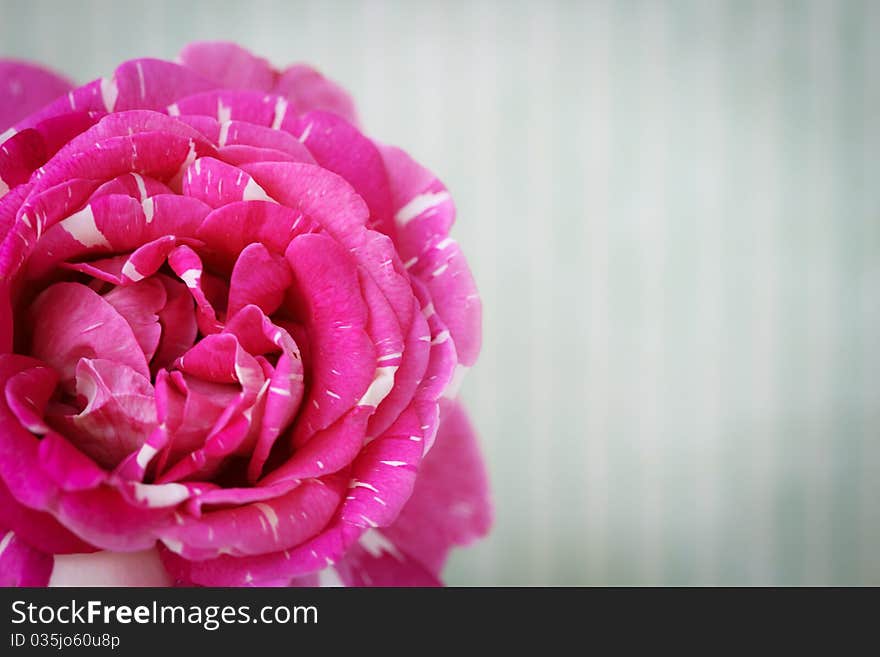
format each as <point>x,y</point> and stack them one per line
<point>231,328</point>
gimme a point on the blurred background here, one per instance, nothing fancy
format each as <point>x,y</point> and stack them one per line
<point>673,214</point>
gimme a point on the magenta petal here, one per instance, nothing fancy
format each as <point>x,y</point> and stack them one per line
<point>21,564</point>
<point>413,366</point>
<point>342,354</point>
<point>216,183</point>
<point>134,185</point>
<point>322,195</point>
<point>282,402</point>
<point>234,105</point>
<point>10,206</point>
<point>229,65</point>
<point>423,209</point>
<point>27,394</point>
<point>70,321</point>
<point>188,266</point>
<point>228,436</point>
<point>19,460</point>
<point>339,147</point>
<point>48,204</point>
<point>219,358</point>
<point>30,148</point>
<point>87,98</point>
<point>38,528</point>
<point>258,335</point>
<point>259,278</point>
<point>178,322</point>
<point>219,497</point>
<point>238,155</point>
<point>120,411</point>
<point>254,529</point>
<point>384,331</point>
<point>188,409</point>
<point>153,84</point>
<point>25,88</point>
<point>328,450</point>
<point>123,270</point>
<point>86,232</point>
<point>139,305</point>
<point>450,502</point>
<point>423,215</point>
<point>160,155</point>
<point>271,569</point>
<point>308,90</point>
<point>376,561</point>
<point>240,133</point>
<point>105,518</point>
<point>70,468</point>
<point>229,229</point>
<point>149,125</point>
<point>41,209</point>
<point>20,155</point>
<point>445,272</point>
<point>383,474</point>
<point>442,362</point>
<point>6,324</point>
<point>331,202</point>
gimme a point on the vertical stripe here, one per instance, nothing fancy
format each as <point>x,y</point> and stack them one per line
<point>593,300</point>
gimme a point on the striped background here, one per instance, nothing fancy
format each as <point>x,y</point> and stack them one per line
<point>672,213</point>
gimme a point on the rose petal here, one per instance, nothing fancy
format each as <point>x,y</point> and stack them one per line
<point>228,65</point>
<point>216,183</point>
<point>25,88</point>
<point>328,450</point>
<point>87,98</point>
<point>240,133</point>
<point>134,185</point>
<point>178,323</point>
<point>38,528</point>
<point>124,270</point>
<point>413,366</point>
<point>188,409</point>
<point>339,147</point>
<point>27,394</point>
<point>119,415</point>
<point>153,84</point>
<point>383,474</point>
<point>271,569</point>
<point>229,229</point>
<point>234,105</point>
<point>19,460</point>
<point>307,90</point>
<point>376,561</point>
<point>139,304</point>
<point>70,321</point>
<point>259,278</point>
<point>445,272</point>
<point>450,502</point>
<point>422,207</point>
<point>282,402</point>
<point>69,467</point>
<point>342,354</point>
<point>254,529</point>
<point>188,266</point>
<point>21,564</point>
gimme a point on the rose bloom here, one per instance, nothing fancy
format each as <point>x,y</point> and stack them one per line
<point>232,328</point>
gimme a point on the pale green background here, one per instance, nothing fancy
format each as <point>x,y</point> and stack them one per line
<point>673,213</point>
